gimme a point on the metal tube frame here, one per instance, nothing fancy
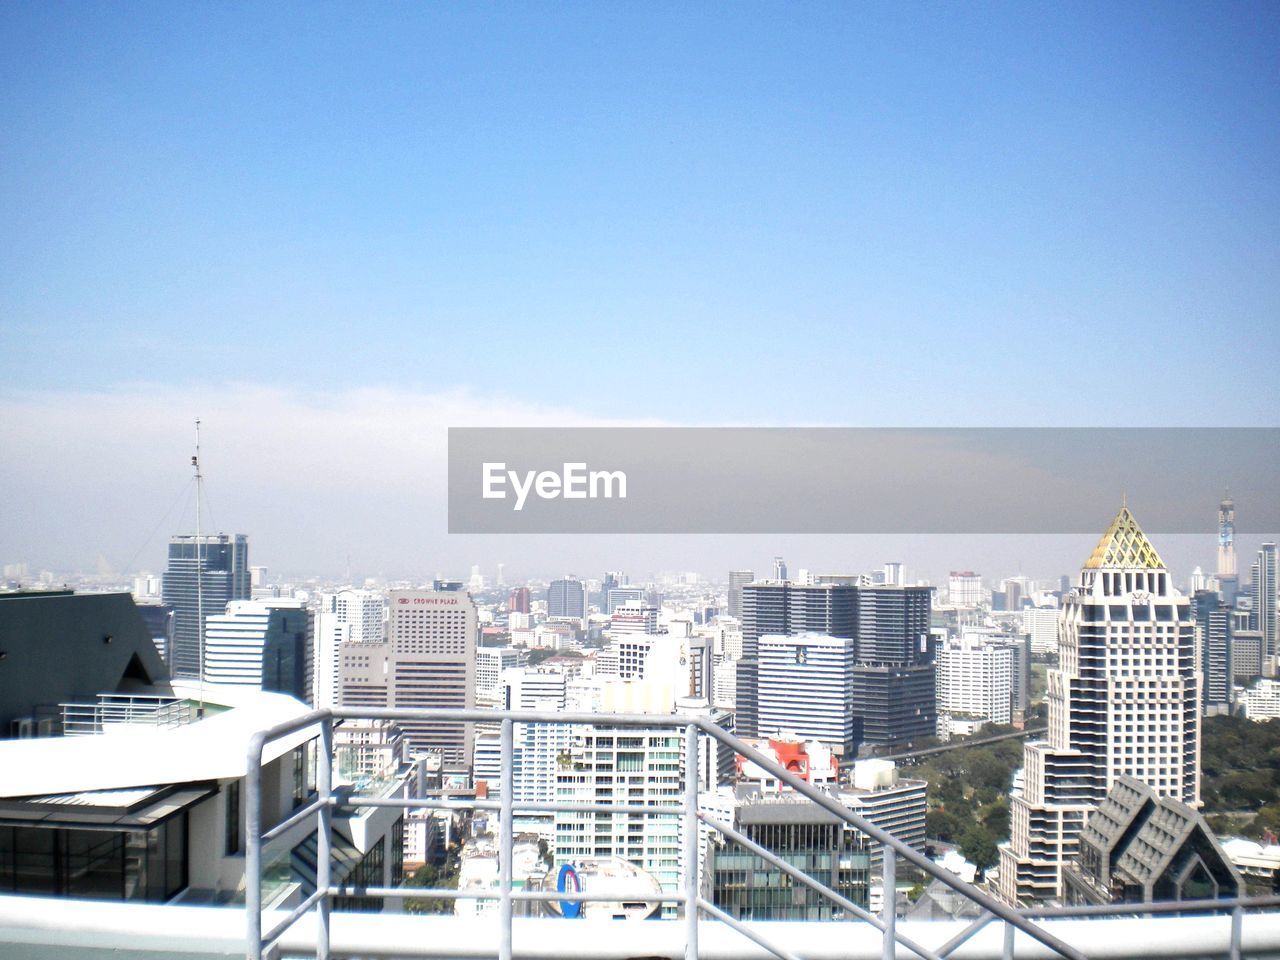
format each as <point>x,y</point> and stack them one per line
<point>690,896</point>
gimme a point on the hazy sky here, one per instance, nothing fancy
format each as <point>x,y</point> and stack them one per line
<point>332,231</point>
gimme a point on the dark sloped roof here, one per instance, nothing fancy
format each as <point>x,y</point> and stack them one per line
<point>58,647</point>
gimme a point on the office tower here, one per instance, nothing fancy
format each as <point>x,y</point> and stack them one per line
<point>348,616</point>
<point>1124,702</point>
<point>893,680</point>
<point>1213,641</point>
<point>224,562</point>
<point>264,644</point>
<point>1228,576</point>
<point>894,574</point>
<point>803,690</point>
<point>567,599</point>
<point>1246,653</point>
<point>1264,600</point>
<point>737,580</point>
<point>428,661</point>
<point>779,568</point>
<point>964,589</point>
<point>518,601</point>
<point>975,681</point>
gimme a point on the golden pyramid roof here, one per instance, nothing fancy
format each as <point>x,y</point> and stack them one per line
<point>1124,545</point>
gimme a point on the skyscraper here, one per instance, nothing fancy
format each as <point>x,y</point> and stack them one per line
<point>518,601</point>
<point>1264,601</point>
<point>779,568</point>
<point>264,644</point>
<point>1228,578</point>
<point>1213,641</point>
<point>224,560</point>
<point>804,685</point>
<point>893,680</point>
<point>428,661</point>
<point>1124,702</point>
<point>737,580</point>
<point>567,599</point>
<point>348,616</point>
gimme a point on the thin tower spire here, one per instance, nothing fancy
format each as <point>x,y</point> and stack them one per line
<point>195,462</point>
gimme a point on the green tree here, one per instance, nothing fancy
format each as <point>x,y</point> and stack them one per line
<point>978,846</point>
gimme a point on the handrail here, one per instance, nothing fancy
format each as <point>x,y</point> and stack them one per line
<point>689,895</point>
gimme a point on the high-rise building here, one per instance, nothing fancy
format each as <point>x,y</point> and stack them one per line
<point>490,664</point>
<point>964,589</point>
<point>1228,576</point>
<point>348,616</point>
<point>1263,591</point>
<point>264,644</point>
<point>1124,702</point>
<point>737,580</point>
<point>804,686</point>
<point>518,601</point>
<point>975,680</point>
<point>567,599</point>
<point>1042,624</point>
<point>1213,641</point>
<point>893,685</point>
<point>203,573</point>
<point>779,568</point>
<point>428,661</point>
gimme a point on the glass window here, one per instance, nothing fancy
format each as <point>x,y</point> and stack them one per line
<point>233,827</point>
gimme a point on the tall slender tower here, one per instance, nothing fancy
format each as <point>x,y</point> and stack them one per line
<point>1228,578</point>
<point>1124,701</point>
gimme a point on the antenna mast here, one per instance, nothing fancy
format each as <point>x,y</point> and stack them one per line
<point>195,462</point>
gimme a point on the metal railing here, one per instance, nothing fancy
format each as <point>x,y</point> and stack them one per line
<point>111,709</point>
<point>689,896</point>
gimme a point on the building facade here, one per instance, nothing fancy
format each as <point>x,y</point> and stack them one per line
<point>1125,701</point>
<point>428,661</point>
<point>265,644</point>
<point>204,574</point>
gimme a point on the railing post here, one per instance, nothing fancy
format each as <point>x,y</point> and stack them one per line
<point>506,839</point>
<point>324,836</point>
<point>253,847</point>
<point>1237,924</point>
<point>691,844</point>
<point>1009,932</point>
<point>889,908</point>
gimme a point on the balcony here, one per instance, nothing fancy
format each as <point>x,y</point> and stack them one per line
<point>37,928</point>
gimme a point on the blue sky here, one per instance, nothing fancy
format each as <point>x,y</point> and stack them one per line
<point>872,212</point>
<point>956,214</point>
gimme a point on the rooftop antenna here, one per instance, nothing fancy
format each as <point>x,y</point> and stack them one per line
<point>195,463</point>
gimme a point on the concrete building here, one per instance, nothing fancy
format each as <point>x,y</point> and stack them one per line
<point>964,589</point>
<point>427,661</point>
<point>1042,624</point>
<point>1246,654</point>
<point>1213,641</point>
<point>1124,702</point>
<point>1263,591</point>
<point>265,644</point>
<point>204,574</point>
<point>737,580</point>
<point>491,662</point>
<point>975,680</point>
<point>1261,699</point>
<point>567,599</point>
<point>348,616</point>
<point>805,687</point>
